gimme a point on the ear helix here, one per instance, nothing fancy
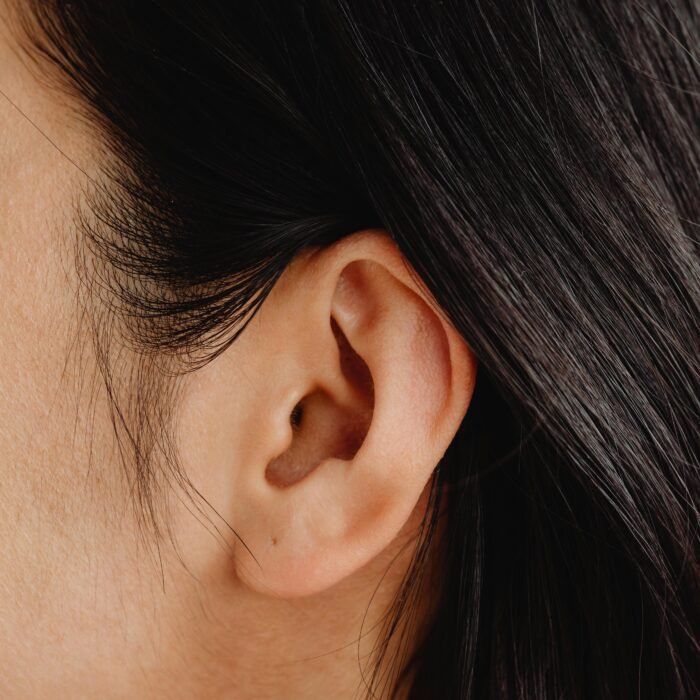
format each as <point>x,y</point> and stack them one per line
<point>372,387</point>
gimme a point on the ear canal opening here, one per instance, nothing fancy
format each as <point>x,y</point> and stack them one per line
<point>322,427</point>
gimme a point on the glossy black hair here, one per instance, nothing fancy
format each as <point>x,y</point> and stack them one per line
<point>538,163</point>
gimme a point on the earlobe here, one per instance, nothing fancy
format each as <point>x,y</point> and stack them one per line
<point>382,382</point>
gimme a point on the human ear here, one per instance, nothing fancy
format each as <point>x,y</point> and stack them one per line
<point>354,385</point>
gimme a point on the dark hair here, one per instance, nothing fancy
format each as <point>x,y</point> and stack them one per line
<point>538,165</point>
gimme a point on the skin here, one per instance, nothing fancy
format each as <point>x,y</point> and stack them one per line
<point>89,607</point>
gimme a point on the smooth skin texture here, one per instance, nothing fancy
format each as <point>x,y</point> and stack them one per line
<point>327,502</point>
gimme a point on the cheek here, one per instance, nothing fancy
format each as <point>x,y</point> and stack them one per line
<point>210,421</point>
<point>37,304</point>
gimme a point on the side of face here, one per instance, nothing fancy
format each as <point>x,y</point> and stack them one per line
<point>310,441</point>
<point>66,542</point>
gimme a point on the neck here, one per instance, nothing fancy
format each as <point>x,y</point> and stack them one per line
<point>117,623</point>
